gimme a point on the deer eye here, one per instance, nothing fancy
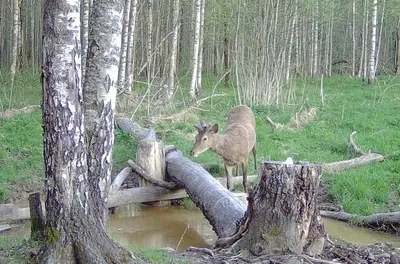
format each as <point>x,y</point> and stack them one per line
<point>204,138</point>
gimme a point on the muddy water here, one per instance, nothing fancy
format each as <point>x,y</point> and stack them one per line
<point>158,227</point>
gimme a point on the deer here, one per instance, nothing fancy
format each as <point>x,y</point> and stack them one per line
<point>234,145</point>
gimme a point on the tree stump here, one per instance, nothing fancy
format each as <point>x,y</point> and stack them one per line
<point>282,216</point>
<point>150,157</point>
<point>37,218</point>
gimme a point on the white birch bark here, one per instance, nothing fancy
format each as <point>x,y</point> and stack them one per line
<point>316,38</point>
<point>174,51</point>
<point>201,42</point>
<point>100,89</point>
<point>14,55</point>
<point>85,10</point>
<point>378,49</point>
<point>149,41</point>
<point>372,55</point>
<point>124,45</point>
<point>130,50</point>
<point>196,47</point>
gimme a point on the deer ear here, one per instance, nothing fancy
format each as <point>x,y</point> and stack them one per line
<point>214,128</point>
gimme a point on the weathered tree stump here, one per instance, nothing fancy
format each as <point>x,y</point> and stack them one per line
<point>37,218</point>
<point>282,215</point>
<point>150,157</point>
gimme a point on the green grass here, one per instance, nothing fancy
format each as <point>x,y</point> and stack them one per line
<point>349,105</point>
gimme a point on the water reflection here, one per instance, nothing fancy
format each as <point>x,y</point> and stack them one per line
<point>157,227</point>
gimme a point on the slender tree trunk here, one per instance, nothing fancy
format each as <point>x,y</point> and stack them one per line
<point>372,56</point>
<point>201,42</point>
<point>85,10</point>
<point>353,35</point>
<point>397,52</point>
<point>75,218</point>
<point>99,93</point>
<point>149,49</point>
<point>124,45</point>
<point>129,56</point>
<point>378,49</point>
<point>196,48</point>
<point>174,50</point>
<point>15,45</point>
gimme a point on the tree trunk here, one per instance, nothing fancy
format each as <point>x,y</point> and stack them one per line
<point>174,51</point>
<point>130,50</point>
<point>397,53</point>
<point>372,55</point>
<point>196,47</point>
<point>99,93</point>
<point>15,45</point>
<point>221,208</point>
<point>124,45</point>
<point>85,11</point>
<point>75,225</point>
<point>282,216</point>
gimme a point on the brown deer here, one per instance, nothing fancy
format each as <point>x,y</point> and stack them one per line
<point>234,146</point>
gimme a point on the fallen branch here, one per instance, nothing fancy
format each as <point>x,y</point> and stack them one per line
<point>356,149</point>
<point>390,221</point>
<point>119,179</point>
<point>334,167</point>
<point>126,125</point>
<point>142,173</point>
<point>274,125</point>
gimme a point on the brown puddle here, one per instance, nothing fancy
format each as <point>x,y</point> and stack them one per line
<point>157,227</point>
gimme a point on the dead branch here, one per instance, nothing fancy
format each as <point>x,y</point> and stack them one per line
<point>119,179</point>
<point>390,221</point>
<point>334,167</point>
<point>274,125</point>
<point>356,149</point>
<point>142,173</point>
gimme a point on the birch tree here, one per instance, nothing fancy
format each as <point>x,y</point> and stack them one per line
<point>174,51</point>
<point>85,9</point>
<point>130,50</point>
<point>74,184</point>
<point>372,55</point>
<point>15,38</point>
<point>124,45</point>
<point>194,89</point>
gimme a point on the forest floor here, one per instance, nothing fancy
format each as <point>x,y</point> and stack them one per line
<point>348,105</point>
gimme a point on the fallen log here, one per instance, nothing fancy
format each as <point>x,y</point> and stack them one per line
<point>335,167</point>
<point>388,221</point>
<point>220,207</point>
<point>143,195</point>
<point>10,212</point>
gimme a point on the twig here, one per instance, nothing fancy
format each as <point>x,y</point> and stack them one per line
<point>315,260</point>
<point>274,125</point>
<point>357,150</point>
<point>142,173</point>
<point>179,242</point>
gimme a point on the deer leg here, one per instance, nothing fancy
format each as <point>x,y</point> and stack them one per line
<point>228,174</point>
<point>245,165</point>
<point>255,154</point>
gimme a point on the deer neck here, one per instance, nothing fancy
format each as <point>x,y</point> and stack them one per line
<point>220,140</point>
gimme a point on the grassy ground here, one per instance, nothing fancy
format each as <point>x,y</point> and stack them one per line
<point>348,105</point>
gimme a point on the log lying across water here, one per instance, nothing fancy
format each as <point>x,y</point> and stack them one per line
<point>220,207</point>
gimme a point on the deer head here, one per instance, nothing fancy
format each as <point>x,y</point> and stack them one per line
<point>204,138</point>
